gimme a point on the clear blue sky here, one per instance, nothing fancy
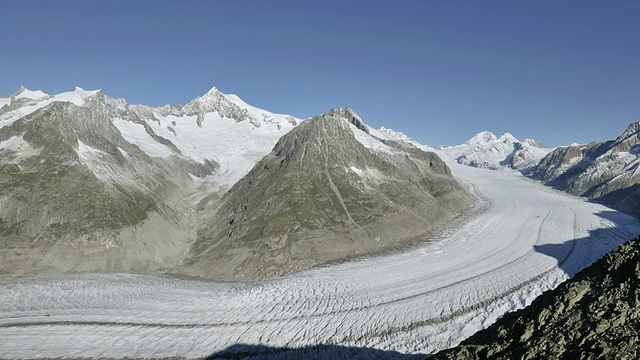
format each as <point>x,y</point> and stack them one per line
<point>440,71</point>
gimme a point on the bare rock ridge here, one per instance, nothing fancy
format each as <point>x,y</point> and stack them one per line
<point>596,314</point>
<point>327,191</point>
<point>90,183</point>
<point>607,172</point>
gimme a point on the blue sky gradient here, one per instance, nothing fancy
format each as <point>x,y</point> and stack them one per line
<point>439,71</point>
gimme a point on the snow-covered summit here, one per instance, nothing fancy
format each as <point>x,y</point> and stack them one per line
<point>232,107</point>
<point>507,137</point>
<point>24,93</point>
<point>486,150</point>
<point>24,102</point>
<point>481,138</point>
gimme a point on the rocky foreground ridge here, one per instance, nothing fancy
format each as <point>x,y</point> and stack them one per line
<point>596,314</point>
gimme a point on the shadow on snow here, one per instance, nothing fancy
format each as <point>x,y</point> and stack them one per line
<point>324,352</point>
<point>590,248</point>
<point>572,256</point>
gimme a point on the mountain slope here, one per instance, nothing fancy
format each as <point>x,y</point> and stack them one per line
<point>328,191</point>
<point>594,315</point>
<point>485,150</point>
<point>90,183</point>
<point>607,172</point>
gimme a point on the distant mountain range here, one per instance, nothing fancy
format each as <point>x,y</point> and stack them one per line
<point>485,150</point>
<point>90,183</point>
<point>607,172</point>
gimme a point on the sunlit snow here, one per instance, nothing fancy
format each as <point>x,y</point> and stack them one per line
<point>525,239</point>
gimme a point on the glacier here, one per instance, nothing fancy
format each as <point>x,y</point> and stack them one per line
<point>521,239</point>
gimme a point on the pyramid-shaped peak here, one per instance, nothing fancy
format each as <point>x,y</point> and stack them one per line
<point>213,92</point>
<point>633,128</point>
<point>353,118</point>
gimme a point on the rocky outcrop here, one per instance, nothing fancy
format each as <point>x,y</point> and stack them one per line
<point>608,172</point>
<point>327,192</point>
<point>594,315</point>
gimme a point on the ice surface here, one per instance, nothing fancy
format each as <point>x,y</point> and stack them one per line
<point>29,94</point>
<point>4,101</point>
<point>136,134</point>
<point>527,240</point>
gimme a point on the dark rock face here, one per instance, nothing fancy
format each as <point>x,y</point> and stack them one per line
<point>322,196</point>
<point>594,315</point>
<point>607,172</point>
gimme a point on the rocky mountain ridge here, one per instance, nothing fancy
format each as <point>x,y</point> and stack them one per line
<point>607,172</point>
<point>593,315</point>
<point>90,183</point>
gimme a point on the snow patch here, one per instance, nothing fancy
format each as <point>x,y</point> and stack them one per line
<point>357,171</point>
<point>369,141</point>
<point>4,101</point>
<point>137,135</point>
<point>87,153</point>
<point>19,147</point>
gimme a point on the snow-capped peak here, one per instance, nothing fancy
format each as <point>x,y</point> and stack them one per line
<point>25,102</point>
<point>481,138</point>
<point>507,137</point>
<point>485,150</point>
<point>24,93</point>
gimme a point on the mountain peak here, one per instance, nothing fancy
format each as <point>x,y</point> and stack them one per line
<point>213,91</point>
<point>508,137</point>
<point>23,92</point>
<point>481,138</point>
<point>354,119</point>
<point>632,129</point>
<point>20,90</point>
